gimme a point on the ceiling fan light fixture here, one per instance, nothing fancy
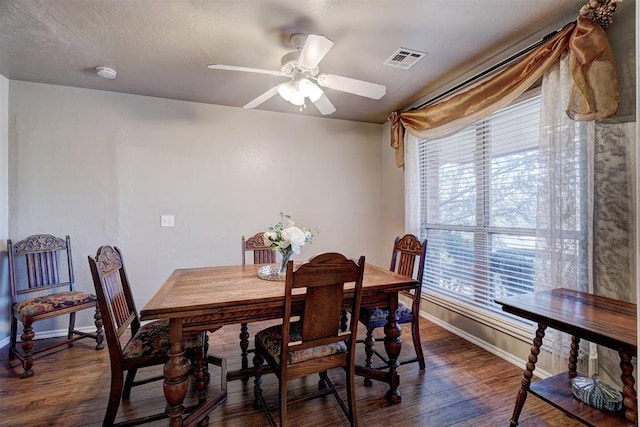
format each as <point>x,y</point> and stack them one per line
<point>295,91</point>
<point>286,90</point>
<point>309,89</point>
<point>297,98</point>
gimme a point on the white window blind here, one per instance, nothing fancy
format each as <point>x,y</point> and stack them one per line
<point>478,203</point>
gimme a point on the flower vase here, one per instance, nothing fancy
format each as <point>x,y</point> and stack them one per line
<point>276,272</point>
<point>286,256</point>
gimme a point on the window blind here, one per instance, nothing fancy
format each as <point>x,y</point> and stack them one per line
<point>478,203</point>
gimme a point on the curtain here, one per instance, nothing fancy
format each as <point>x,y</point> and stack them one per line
<point>412,207</point>
<point>614,224</point>
<point>594,92</point>
<point>565,204</point>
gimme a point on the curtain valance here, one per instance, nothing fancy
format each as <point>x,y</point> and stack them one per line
<point>594,92</point>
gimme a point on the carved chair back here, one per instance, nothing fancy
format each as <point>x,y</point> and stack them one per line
<point>324,277</point>
<point>315,344</point>
<point>262,253</point>
<point>39,263</point>
<point>114,297</point>
<point>409,252</point>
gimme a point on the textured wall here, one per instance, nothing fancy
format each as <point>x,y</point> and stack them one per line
<point>5,302</point>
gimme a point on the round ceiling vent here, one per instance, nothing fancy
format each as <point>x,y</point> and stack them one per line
<point>106,72</point>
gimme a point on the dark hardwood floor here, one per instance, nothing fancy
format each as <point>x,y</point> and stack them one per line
<point>462,385</point>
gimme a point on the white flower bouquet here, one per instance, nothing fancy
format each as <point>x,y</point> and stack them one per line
<point>286,238</point>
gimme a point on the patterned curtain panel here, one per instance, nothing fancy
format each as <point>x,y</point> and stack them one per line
<point>614,234</point>
<point>565,205</point>
<point>588,193</point>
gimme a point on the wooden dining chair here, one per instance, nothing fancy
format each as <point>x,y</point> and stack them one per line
<point>146,345</point>
<point>408,251</point>
<point>261,254</point>
<point>313,344</point>
<point>43,287</point>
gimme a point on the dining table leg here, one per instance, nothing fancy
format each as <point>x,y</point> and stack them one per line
<point>176,374</point>
<point>393,346</point>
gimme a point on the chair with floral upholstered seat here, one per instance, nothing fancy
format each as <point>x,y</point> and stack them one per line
<point>43,287</point>
<point>408,251</point>
<point>148,344</point>
<point>314,343</point>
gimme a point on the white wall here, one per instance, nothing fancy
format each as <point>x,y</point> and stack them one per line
<point>102,167</point>
<point>5,301</point>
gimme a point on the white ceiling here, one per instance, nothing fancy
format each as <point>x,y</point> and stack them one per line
<point>160,48</point>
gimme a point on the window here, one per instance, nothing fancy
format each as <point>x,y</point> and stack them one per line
<point>478,203</point>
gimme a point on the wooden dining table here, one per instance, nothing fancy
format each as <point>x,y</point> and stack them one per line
<point>204,299</point>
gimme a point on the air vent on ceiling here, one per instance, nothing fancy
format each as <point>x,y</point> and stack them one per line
<point>404,58</point>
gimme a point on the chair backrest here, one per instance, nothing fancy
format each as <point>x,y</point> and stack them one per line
<point>262,253</point>
<point>114,297</point>
<point>408,251</point>
<point>39,263</point>
<point>324,277</point>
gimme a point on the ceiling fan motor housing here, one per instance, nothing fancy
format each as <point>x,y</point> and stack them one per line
<point>298,40</point>
<point>289,64</point>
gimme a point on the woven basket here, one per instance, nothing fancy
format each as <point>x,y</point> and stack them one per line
<point>595,393</point>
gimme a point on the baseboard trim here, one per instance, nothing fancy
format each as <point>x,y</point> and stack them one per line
<point>41,335</point>
<point>497,351</point>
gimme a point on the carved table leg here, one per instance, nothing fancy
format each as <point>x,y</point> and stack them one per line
<point>176,374</point>
<point>528,373</point>
<point>369,344</point>
<point>200,371</point>
<point>393,345</point>
<point>628,387</point>
<point>258,360</point>
<point>244,346</point>
<point>201,374</point>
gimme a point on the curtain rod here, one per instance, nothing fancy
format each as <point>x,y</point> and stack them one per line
<point>489,70</point>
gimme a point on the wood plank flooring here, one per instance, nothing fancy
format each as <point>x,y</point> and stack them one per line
<point>462,385</point>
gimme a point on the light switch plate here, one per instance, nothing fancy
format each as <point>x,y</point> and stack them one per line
<point>166,220</point>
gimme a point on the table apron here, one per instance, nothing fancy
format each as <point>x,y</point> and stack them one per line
<point>214,319</point>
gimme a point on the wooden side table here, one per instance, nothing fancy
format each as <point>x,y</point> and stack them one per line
<point>601,320</point>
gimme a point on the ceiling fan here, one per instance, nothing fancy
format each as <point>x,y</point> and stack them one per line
<point>305,79</point>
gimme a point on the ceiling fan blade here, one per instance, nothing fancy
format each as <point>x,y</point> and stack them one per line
<point>324,105</point>
<point>356,87</point>
<point>262,98</point>
<point>314,49</point>
<point>244,69</point>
